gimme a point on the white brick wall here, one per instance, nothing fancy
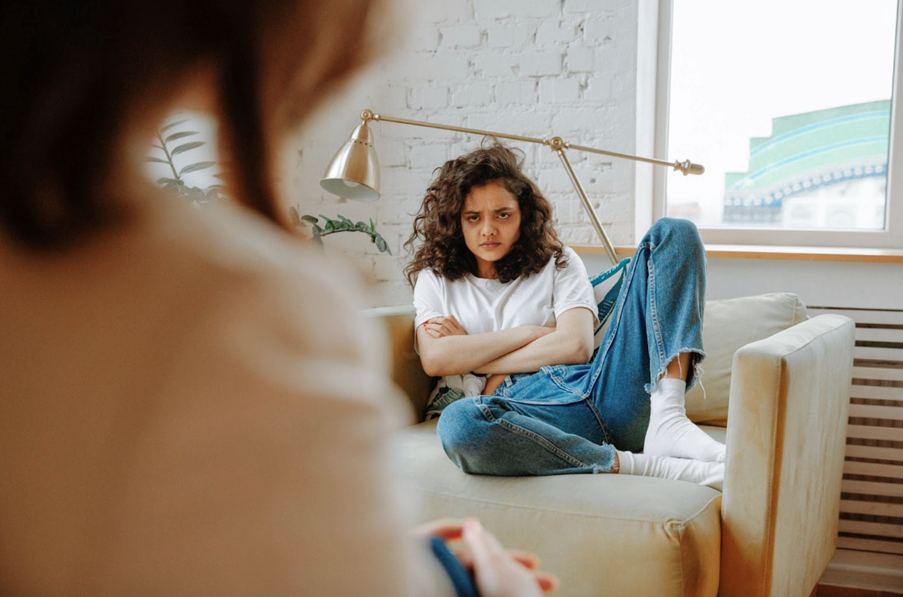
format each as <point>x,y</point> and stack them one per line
<point>533,67</point>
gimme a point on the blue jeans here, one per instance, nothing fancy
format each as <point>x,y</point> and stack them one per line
<point>572,418</point>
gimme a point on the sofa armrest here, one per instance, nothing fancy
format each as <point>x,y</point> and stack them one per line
<point>407,372</point>
<point>786,433</point>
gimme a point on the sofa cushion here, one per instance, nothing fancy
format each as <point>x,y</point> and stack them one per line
<point>729,325</point>
<point>606,288</point>
<point>579,525</point>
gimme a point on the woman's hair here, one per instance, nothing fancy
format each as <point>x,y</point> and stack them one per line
<point>438,224</point>
<point>76,72</point>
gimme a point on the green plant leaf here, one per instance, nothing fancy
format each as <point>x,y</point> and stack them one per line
<point>310,219</point>
<point>186,147</point>
<point>169,126</point>
<point>196,167</point>
<point>316,237</point>
<point>372,226</point>
<point>181,135</point>
<point>170,181</point>
<point>153,159</point>
<point>382,245</point>
<point>329,223</point>
<point>362,226</point>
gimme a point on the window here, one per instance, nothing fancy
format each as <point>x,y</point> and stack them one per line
<point>790,107</point>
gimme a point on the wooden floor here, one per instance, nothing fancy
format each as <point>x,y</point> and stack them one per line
<point>829,591</point>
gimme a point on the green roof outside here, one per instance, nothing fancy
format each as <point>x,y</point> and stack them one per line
<point>814,148</point>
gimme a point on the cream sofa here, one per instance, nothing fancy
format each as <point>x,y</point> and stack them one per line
<point>781,383</point>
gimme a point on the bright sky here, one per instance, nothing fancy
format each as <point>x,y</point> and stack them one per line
<point>736,65</point>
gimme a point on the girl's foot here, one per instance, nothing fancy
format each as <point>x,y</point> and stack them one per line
<point>671,433</point>
<point>710,474</point>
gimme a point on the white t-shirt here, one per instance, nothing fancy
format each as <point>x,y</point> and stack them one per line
<point>484,305</point>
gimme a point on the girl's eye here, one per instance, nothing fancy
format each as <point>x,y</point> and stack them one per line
<point>473,218</point>
<point>504,216</point>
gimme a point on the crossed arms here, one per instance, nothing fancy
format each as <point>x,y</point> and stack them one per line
<point>447,349</point>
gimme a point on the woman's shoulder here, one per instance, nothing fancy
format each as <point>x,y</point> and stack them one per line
<point>574,262</point>
<point>251,274</point>
<point>567,260</point>
<point>570,254</point>
<point>428,275</point>
<point>429,278</point>
<point>235,242</point>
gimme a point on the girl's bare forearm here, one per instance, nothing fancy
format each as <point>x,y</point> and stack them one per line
<point>459,354</point>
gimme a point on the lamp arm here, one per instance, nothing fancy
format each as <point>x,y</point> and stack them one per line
<point>686,166</point>
<point>447,127</point>
<point>555,143</point>
<point>559,146</point>
<point>588,207</point>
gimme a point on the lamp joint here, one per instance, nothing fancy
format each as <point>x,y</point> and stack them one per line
<point>557,143</point>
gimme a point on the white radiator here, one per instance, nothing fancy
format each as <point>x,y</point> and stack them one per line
<point>871,507</point>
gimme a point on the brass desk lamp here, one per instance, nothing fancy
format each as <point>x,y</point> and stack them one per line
<point>354,171</point>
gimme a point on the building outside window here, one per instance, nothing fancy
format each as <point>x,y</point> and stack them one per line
<point>789,105</point>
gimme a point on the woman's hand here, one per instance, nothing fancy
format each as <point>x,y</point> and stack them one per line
<point>498,572</point>
<point>440,327</point>
<point>502,574</point>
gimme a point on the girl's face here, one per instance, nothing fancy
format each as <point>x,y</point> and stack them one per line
<point>491,224</point>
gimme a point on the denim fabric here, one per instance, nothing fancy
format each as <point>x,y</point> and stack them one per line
<point>572,418</point>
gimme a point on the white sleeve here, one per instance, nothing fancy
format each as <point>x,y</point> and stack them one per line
<point>572,287</point>
<point>427,297</point>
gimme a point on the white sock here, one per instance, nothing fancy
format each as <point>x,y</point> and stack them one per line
<point>677,469</point>
<point>671,433</point>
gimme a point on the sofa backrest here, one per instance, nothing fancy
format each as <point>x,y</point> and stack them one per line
<point>728,325</point>
<point>407,372</point>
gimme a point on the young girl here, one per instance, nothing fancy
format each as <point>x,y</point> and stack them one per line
<point>505,314</point>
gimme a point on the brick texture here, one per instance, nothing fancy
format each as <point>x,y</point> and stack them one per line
<point>532,67</point>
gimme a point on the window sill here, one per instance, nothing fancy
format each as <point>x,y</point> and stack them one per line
<point>777,253</point>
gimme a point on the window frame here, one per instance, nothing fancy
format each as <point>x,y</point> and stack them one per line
<point>890,237</point>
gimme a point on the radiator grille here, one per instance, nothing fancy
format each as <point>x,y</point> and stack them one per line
<point>871,506</point>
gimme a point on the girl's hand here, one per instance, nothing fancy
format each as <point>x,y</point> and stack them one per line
<point>498,572</point>
<point>440,327</point>
<point>493,382</point>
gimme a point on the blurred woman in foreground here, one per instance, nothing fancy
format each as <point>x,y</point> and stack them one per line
<point>187,405</point>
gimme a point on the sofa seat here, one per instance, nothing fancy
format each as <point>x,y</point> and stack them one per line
<point>676,525</point>
<point>781,384</point>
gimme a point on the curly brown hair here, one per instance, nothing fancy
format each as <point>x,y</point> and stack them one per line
<point>438,223</point>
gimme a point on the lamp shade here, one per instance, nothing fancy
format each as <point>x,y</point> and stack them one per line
<point>354,171</point>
